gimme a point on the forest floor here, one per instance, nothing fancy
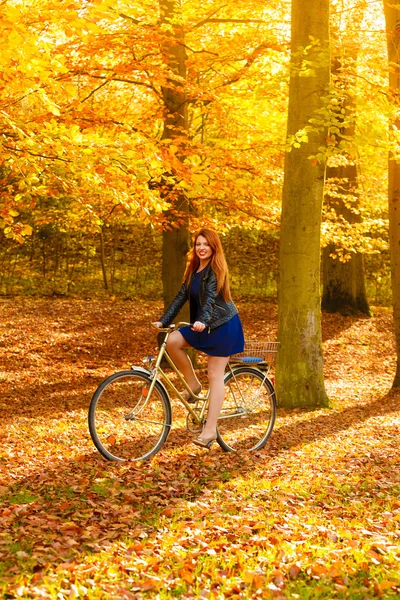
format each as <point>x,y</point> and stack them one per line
<point>316,514</point>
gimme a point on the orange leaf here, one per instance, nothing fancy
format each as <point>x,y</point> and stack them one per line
<point>294,570</point>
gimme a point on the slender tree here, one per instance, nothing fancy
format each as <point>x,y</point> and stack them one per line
<point>343,280</point>
<point>392,17</point>
<point>175,127</point>
<point>300,366</point>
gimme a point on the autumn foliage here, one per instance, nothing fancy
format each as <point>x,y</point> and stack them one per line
<point>123,121</point>
<point>84,97</point>
<point>316,514</point>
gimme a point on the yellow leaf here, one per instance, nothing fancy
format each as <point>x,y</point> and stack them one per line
<point>248,577</point>
<point>26,230</point>
<point>200,178</point>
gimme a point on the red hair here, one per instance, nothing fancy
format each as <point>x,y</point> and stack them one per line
<point>217,262</point>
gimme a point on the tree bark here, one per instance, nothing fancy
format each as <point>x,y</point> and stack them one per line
<point>175,237</point>
<point>299,374</point>
<point>392,17</point>
<point>343,282</point>
<point>103,259</point>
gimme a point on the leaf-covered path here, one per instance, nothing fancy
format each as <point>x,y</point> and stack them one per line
<point>316,514</point>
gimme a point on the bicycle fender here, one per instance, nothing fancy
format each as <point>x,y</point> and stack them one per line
<point>238,368</point>
<point>142,369</point>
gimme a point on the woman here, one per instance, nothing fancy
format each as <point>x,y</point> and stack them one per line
<point>216,330</point>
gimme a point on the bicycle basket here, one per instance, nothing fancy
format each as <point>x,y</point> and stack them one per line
<point>257,352</point>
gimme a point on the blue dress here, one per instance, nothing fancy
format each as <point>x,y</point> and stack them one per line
<point>224,340</point>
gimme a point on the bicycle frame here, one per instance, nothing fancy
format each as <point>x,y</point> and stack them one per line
<point>157,371</point>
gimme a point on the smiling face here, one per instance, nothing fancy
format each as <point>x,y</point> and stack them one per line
<point>203,249</point>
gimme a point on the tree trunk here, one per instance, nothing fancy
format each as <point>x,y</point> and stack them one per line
<point>56,260</point>
<point>299,375</point>
<point>103,260</point>
<point>175,240</point>
<point>392,16</point>
<point>343,282</point>
<point>113,261</point>
<point>44,257</point>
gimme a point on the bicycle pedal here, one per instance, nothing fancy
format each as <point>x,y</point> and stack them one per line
<point>192,425</point>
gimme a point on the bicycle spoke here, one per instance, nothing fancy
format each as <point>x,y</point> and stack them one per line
<point>248,413</point>
<point>125,422</point>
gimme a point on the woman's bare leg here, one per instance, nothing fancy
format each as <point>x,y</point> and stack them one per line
<point>175,347</point>
<point>216,371</point>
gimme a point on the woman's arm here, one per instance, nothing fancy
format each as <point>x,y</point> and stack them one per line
<point>175,306</point>
<point>208,301</point>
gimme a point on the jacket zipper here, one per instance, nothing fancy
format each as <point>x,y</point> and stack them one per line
<point>221,307</point>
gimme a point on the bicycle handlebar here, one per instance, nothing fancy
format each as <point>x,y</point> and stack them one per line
<point>173,326</point>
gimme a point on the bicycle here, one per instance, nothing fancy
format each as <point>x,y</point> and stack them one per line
<point>130,414</point>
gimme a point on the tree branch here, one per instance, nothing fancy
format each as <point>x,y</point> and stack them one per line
<point>66,160</point>
<point>133,81</point>
<point>227,203</point>
<point>95,90</point>
<point>22,97</point>
<point>119,123</point>
<point>250,60</point>
<point>124,16</point>
<point>198,51</point>
<point>212,20</point>
<point>200,23</point>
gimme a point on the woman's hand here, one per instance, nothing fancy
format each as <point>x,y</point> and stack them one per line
<point>198,326</point>
<point>158,324</point>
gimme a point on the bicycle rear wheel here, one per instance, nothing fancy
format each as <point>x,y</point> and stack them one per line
<point>124,422</point>
<point>249,410</point>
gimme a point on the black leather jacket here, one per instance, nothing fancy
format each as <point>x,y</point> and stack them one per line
<point>214,311</point>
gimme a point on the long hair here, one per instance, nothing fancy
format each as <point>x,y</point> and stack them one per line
<point>217,262</point>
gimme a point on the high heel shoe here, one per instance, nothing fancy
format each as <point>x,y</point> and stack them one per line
<point>188,396</point>
<point>204,442</point>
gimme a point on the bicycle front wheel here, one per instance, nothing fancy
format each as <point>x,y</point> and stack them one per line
<point>249,410</point>
<point>125,423</point>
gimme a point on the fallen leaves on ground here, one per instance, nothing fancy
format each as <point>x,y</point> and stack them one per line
<point>316,514</point>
